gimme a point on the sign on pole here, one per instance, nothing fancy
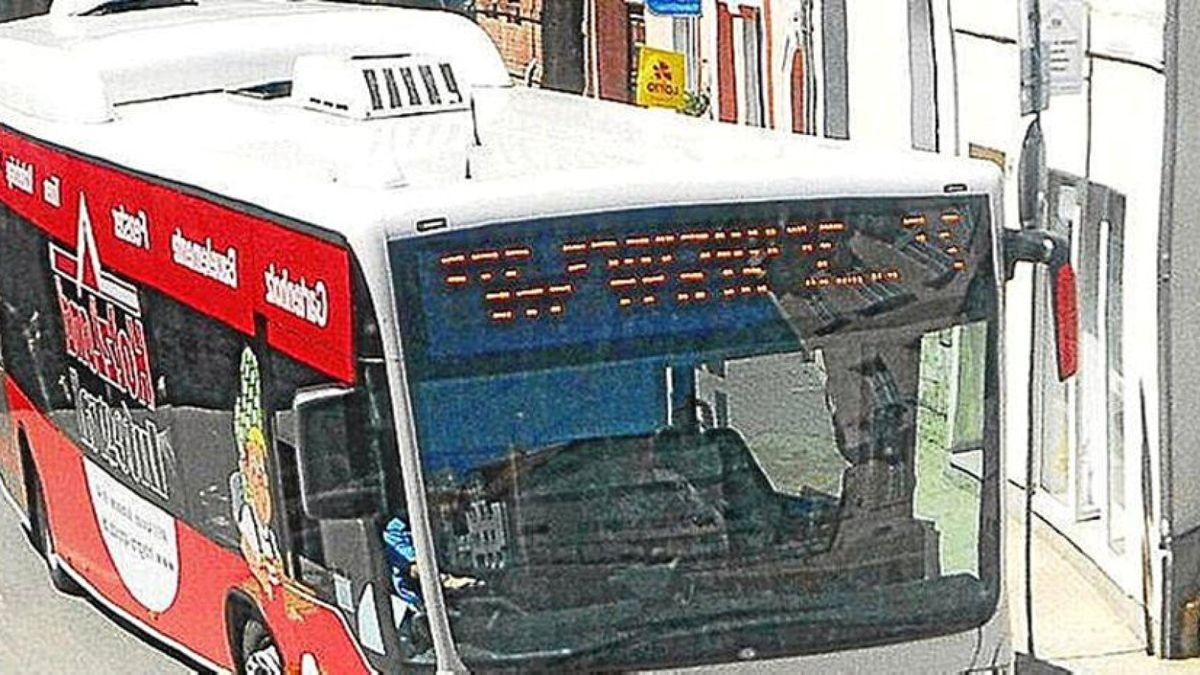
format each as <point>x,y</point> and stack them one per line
<point>661,78</point>
<point>674,7</point>
<point>1064,24</point>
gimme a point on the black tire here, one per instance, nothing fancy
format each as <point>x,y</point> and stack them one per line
<point>259,653</point>
<point>43,541</point>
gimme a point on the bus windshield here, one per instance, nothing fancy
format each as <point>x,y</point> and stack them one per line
<point>710,433</point>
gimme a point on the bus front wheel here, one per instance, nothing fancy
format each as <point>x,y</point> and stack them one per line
<point>259,653</point>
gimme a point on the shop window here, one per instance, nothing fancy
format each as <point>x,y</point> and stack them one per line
<point>686,41</point>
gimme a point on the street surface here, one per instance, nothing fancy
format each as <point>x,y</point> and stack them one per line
<point>45,632</point>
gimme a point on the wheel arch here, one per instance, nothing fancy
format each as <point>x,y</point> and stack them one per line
<point>240,608</point>
<point>29,474</point>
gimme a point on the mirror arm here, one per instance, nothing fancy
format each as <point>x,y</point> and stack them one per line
<point>1034,246</point>
<point>1043,247</point>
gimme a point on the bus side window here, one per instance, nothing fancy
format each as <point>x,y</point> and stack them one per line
<point>5,419</point>
<point>32,338</point>
<point>286,376</point>
<point>196,361</point>
<point>370,451</point>
<point>10,472</point>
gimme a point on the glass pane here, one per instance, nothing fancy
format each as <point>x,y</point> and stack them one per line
<point>950,443</point>
<point>684,41</point>
<point>701,431</point>
<point>969,380</point>
<point>753,73</point>
<point>1090,389</point>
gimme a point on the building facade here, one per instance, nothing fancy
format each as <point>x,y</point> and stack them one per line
<point>1111,449</point>
<point>752,62</point>
<point>1095,441</point>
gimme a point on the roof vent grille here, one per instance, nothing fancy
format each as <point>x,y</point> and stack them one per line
<point>376,87</point>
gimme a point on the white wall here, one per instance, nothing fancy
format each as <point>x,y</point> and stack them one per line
<point>1116,140</point>
<point>1127,155</point>
<point>994,17</point>
<point>877,52</point>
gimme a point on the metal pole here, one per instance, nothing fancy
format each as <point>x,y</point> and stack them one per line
<point>1034,99</point>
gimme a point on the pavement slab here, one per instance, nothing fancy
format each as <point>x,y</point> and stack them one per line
<point>1079,623</point>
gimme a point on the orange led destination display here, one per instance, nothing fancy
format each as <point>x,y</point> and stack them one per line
<point>530,285</point>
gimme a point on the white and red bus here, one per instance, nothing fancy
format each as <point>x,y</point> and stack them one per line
<point>326,350</point>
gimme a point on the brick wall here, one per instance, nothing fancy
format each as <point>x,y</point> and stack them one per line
<point>516,28</point>
<point>612,31</point>
<point>550,35</point>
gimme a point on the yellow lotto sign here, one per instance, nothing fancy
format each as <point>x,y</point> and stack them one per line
<point>660,78</point>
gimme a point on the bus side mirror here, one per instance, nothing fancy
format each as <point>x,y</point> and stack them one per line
<point>1046,248</point>
<point>338,479</point>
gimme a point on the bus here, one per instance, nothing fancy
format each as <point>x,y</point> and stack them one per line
<point>327,350</point>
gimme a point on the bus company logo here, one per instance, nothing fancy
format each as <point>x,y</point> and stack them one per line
<point>102,317</point>
<point>297,297</point>
<point>18,175</point>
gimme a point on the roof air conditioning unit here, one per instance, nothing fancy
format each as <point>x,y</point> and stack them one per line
<point>378,87</point>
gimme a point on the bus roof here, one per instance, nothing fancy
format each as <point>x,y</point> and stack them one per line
<point>181,93</point>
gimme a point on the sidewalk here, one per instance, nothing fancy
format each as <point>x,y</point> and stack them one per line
<point>1082,623</point>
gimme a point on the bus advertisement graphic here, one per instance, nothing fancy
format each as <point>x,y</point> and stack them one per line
<point>250,486</point>
<point>222,262</point>
<point>140,538</point>
<point>102,321</point>
<point>136,523</point>
<point>103,332</point>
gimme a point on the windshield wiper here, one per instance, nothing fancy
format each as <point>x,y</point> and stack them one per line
<point>119,6</point>
<point>809,623</point>
<point>669,628</point>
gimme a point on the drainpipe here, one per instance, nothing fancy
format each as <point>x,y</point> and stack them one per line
<point>593,47</point>
<point>835,69</point>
